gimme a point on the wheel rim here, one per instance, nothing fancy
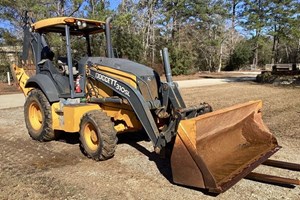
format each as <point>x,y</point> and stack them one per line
<point>35,116</point>
<point>91,137</point>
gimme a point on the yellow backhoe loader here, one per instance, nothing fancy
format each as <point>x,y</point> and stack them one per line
<point>100,97</point>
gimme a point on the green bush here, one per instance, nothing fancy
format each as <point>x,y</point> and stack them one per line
<point>181,61</point>
<point>240,57</point>
<point>3,73</point>
<point>266,77</point>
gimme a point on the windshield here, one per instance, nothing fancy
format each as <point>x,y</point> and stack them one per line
<point>81,46</point>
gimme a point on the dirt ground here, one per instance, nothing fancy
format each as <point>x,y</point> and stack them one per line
<point>199,75</point>
<point>58,170</point>
<point>13,88</point>
<point>8,89</point>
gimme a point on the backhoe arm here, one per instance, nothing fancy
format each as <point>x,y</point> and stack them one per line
<point>20,77</point>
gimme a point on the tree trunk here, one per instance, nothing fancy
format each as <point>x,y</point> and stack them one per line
<point>210,63</point>
<point>153,44</point>
<point>255,58</point>
<point>257,36</point>
<point>61,7</point>
<point>234,4</point>
<point>287,53</point>
<point>297,52</point>
<point>93,8</point>
<point>275,47</point>
<point>220,58</point>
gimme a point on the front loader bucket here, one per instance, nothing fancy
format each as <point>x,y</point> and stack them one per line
<point>217,149</point>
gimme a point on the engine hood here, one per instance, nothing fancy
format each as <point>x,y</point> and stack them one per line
<point>148,80</point>
<point>120,64</point>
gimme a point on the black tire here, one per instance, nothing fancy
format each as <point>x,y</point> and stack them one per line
<point>98,138</point>
<point>38,116</point>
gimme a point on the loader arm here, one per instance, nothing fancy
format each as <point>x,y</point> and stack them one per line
<point>136,100</point>
<point>170,95</point>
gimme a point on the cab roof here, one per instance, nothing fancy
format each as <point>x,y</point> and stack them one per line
<point>57,25</point>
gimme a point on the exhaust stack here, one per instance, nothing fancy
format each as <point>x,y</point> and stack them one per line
<point>109,48</point>
<point>167,67</point>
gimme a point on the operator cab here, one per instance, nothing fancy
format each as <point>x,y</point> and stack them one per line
<point>67,73</point>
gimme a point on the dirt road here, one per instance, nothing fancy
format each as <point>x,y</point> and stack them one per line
<point>58,170</point>
<point>11,100</point>
<point>211,81</point>
<point>16,100</point>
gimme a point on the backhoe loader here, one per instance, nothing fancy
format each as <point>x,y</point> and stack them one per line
<point>100,97</point>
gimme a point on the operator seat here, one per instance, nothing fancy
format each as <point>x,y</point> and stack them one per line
<point>46,67</point>
<point>63,65</point>
<point>47,53</point>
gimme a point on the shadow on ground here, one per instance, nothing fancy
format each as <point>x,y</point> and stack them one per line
<point>162,162</point>
<point>69,138</point>
<point>240,79</point>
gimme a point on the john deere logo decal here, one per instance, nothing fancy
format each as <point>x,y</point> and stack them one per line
<point>114,83</point>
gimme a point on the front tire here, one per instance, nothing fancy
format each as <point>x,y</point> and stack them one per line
<point>98,138</point>
<point>38,116</point>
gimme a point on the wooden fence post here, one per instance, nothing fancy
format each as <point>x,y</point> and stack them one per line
<point>8,78</point>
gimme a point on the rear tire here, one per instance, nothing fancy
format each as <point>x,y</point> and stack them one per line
<point>98,138</point>
<point>38,116</point>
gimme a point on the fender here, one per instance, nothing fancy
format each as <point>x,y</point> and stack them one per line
<point>45,83</point>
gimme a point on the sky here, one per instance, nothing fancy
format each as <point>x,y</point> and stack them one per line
<point>4,24</point>
<point>113,5</point>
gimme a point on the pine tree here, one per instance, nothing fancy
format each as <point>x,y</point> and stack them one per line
<point>255,19</point>
<point>282,15</point>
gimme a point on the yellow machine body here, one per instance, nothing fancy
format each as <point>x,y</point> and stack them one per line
<point>68,118</point>
<point>122,113</point>
<point>212,150</point>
